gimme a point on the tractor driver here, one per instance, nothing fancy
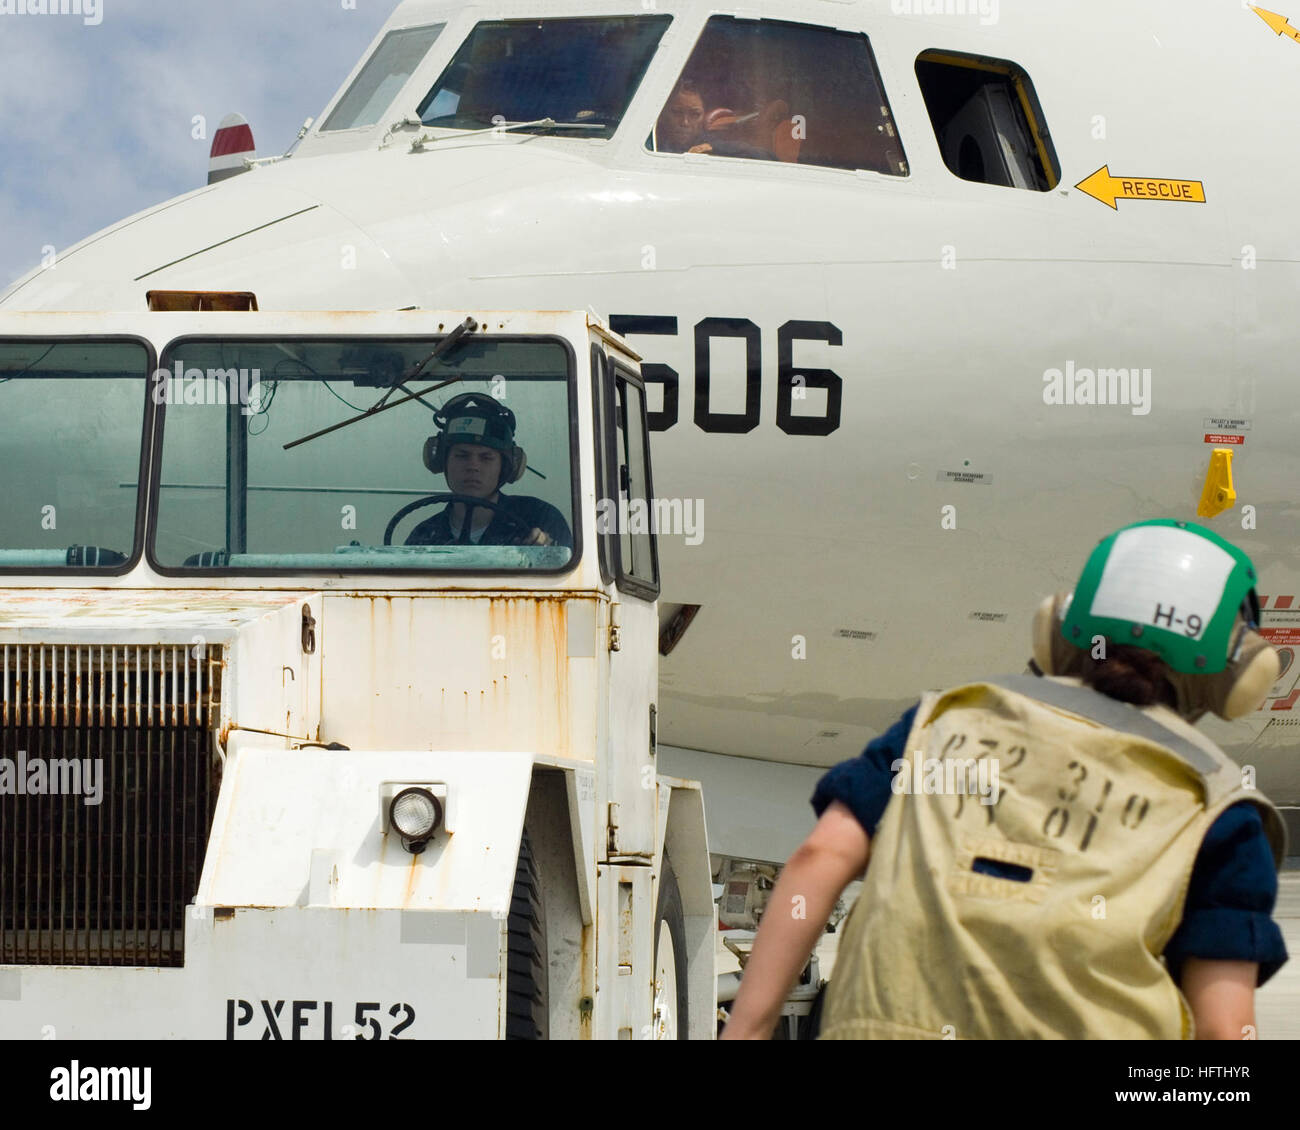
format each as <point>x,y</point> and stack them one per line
<point>475,448</point>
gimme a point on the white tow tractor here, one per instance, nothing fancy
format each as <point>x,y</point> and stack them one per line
<point>299,741</point>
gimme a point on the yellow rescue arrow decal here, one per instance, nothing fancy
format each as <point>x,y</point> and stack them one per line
<point>1278,23</point>
<point>1108,189</point>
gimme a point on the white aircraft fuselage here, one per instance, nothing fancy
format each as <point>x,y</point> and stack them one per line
<point>981,438</point>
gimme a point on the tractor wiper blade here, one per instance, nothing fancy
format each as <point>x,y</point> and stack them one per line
<point>443,347</point>
<point>440,350</point>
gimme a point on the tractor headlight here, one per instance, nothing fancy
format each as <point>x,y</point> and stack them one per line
<point>416,814</point>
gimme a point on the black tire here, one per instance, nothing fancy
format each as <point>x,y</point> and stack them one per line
<point>669,909</point>
<point>527,966</point>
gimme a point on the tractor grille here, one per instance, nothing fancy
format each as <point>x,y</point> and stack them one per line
<point>106,883</point>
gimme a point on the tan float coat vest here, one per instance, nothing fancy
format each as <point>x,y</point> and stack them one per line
<point>1100,805</point>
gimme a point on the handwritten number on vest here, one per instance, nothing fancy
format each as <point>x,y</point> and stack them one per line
<point>1058,820</point>
<point>955,743</point>
<point>1134,812</point>
<point>1061,816</point>
<point>1078,780</point>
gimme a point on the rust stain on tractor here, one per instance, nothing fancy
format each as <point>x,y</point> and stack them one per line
<point>412,882</point>
<point>532,630</point>
<point>455,670</point>
<point>588,959</point>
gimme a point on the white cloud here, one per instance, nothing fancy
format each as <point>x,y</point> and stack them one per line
<point>96,121</point>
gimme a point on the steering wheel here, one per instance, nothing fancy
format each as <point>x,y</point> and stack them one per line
<point>468,500</point>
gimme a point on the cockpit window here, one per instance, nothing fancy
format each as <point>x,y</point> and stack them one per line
<point>475,476</point>
<point>382,78</point>
<point>71,425</point>
<point>581,73</point>
<point>774,91</point>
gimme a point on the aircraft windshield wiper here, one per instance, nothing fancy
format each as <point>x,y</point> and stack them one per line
<point>551,123</point>
<point>468,326</point>
<point>417,146</point>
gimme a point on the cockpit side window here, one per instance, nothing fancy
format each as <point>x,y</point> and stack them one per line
<point>774,91</point>
<point>579,73</point>
<point>382,78</point>
<point>988,121</point>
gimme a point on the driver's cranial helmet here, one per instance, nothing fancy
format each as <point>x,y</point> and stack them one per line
<point>1178,590</point>
<point>474,417</point>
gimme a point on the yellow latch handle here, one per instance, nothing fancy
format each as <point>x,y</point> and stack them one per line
<point>1218,494</point>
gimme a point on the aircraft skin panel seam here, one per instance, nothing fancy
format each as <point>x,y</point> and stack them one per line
<point>89,241</point>
<point>222,243</point>
<point>865,263</point>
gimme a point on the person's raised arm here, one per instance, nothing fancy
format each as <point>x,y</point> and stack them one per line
<point>834,854</point>
<point>1222,997</point>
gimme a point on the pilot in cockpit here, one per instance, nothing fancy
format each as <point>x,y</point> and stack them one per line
<point>475,448</point>
<point>681,124</point>
<point>685,127</point>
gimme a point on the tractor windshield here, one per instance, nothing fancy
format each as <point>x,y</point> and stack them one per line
<point>459,464</point>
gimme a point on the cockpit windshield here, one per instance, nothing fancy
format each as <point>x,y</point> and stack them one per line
<point>382,78</point>
<point>580,73</point>
<point>468,467</point>
<point>71,426</point>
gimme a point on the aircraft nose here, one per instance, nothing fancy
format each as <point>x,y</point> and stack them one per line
<point>354,231</point>
<point>291,248</point>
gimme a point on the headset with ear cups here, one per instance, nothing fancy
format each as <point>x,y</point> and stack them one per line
<point>1253,664</point>
<point>474,417</point>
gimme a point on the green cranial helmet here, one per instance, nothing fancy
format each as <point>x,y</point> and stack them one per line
<point>1170,587</point>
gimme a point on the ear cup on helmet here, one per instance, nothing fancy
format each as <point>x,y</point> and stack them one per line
<point>513,466</point>
<point>1052,652</point>
<point>1045,623</point>
<point>1243,684</point>
<point>435,457</point>
<point>1237,690</point>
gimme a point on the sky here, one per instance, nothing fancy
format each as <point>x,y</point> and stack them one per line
<point>97,118</point>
